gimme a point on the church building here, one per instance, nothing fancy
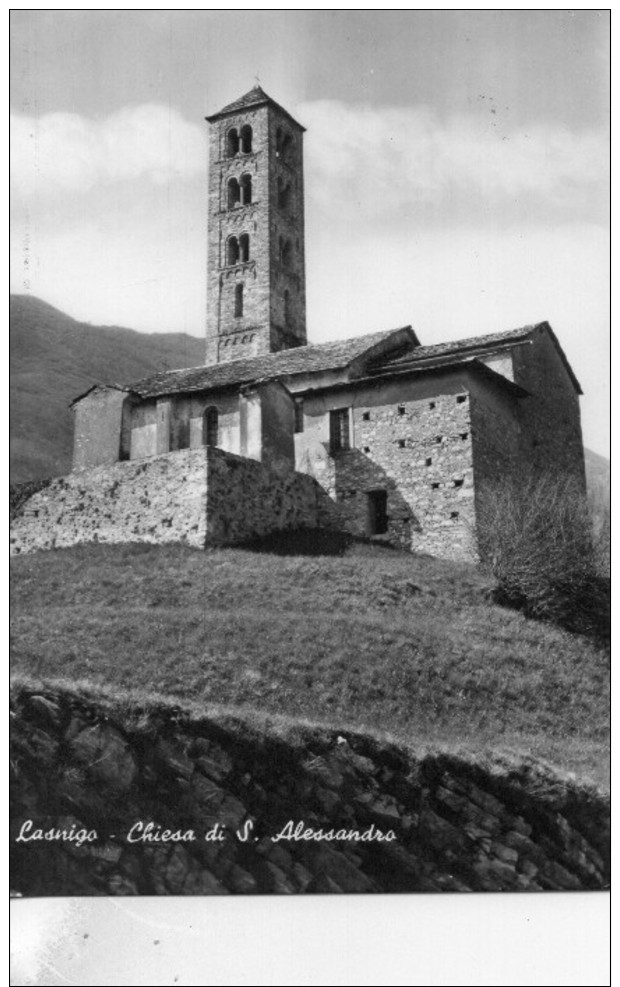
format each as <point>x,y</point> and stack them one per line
<point>377,435</point>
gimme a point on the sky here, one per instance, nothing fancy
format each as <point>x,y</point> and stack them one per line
<point>456,167</point>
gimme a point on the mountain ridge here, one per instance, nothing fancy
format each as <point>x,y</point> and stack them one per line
<point>53,358</point>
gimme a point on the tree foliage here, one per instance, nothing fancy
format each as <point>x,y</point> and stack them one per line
<point>535,535</point>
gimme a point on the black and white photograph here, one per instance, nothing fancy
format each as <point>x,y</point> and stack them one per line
<point>310,483</point>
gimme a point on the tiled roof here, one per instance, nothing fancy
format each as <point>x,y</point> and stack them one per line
<point>432,355</point>
<point>490,341</point>
<point>302,359</point>
<point>255,97</point>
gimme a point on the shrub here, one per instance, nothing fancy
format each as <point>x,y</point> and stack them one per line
<point>535,535</point>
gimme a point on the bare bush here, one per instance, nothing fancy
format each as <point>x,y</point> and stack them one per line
<point>535,535</point>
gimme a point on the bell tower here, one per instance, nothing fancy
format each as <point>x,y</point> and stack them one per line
<point>256,290</point>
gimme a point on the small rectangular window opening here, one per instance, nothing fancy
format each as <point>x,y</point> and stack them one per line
<point>432,405</point>
<point>366,416</point>
<point>438,439</point>
<point>299,416</point>
<point>464,436</point>
<point>402,443</point>
<point>377,512</point>
<point>428,462</point>
<point>401,409</point>
<point>435,486</point>
<point>366,448</point>
<point>461,398</point>
<point>339,429</point>
<point>458,483</point>
<point>454,515</point>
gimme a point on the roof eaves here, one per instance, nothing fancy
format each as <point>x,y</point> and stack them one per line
<point>109,385</point>
<point>554,339</point>
<point>262,99</point>
<point>469,363</point>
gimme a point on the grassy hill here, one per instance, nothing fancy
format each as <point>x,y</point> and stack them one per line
<point>53,358</point>
<point>373,640</point>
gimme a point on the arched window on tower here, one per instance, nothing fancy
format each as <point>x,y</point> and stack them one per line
<point>285,252</point>
<point>246,190</point>
<point>232,143</point>
<point>245,135</point>
<point>238,301</point>
<point>283,144</point>
<point>244,248</point>
<point>284,193</point>
<point>232,251</point>
<point>234,193</point>
<point>210,427</point>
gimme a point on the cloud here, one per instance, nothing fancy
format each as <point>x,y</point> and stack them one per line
<point>66,152</point>
<point>386,160</point>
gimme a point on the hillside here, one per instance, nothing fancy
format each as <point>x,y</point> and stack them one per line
<point>53,358</point>
<point>370,640</point>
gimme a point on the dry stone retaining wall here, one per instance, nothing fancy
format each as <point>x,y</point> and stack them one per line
<point>158,500</point>
<point>198,496</point>
<point>77,764</point>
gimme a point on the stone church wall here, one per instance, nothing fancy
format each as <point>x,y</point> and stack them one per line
<point>411,438</point>
<point>550,418</point>
<point>101,427</point>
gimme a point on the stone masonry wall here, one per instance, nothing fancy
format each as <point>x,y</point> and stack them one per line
<point>230,337</point>
<point>197,496</point>
<point>162,499</point>
<point>247,500</point>
<point>411,438</point>
<point>79,763</point>
<point>550,419</point>
<point>286,226</point>
<point>272,277</point>
<point>100,428</point>
<point>496,436</point>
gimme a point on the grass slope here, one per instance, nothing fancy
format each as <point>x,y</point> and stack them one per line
<point>53,358</point>
<point>372,640</point>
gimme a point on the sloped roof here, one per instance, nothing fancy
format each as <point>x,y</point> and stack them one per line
<point>251,100</point>
<point>110,386</point>
<point>490,341</point>
<point>469,362</point>
<point>301,360</point>
<point>434,354</point>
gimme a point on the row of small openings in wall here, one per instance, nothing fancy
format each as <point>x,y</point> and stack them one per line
<point>238,249</point>
<point>402,410</point>
<point>238,340</point>
<point>239,191</point>
<point>439,439</point>
<point>239,141</point>
<point>402,444</point>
